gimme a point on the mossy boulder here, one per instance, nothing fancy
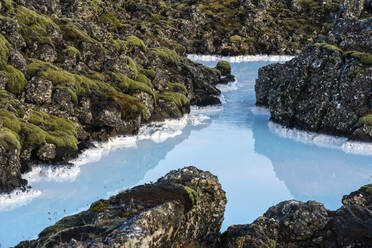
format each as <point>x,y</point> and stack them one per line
<point>224,67</point>
<point>187,204</point>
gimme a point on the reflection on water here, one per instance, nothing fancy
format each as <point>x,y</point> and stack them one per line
<point>256,167</point>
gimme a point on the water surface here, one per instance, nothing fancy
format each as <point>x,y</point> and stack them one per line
<point>258,164</point>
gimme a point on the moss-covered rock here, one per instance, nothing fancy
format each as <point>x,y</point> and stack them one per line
<point>178,98</point>
<point>224,67</point>
<point>16,81</point>
<point>185,205</point>
<point>167,55</point>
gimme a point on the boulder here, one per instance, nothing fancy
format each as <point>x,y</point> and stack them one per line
<point>10,167</point>
<point>184,208</point>
<point>39,91</point>
<point>327,88</point>
<point>297,224</point>
<point>47,152</point>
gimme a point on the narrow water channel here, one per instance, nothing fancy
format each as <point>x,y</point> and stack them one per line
<point>257,162</point>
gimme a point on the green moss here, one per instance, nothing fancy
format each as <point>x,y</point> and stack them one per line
<point>130,106</point>
<point>33,135</point>
<point>9,6</point>
<point>142,78</point>
<point>367,119</point>
<point>192,195</point>
<point>368,188</point>
<point>35,27</point>
<point>83,86</point>
<point>167,55</point>
<point>239,242</point>
<point>10,120</point>
<point>6,100</point>
<point>4,51</point>
<point>224,67</point>
<point>134,41</point>
<point>365,58</point>
<point>58,131</point>
<point>329,47</point>
<point>269,244</point>
<point>133,66</point>
<point>177,98</point>
<point>151,74</point>
<point>177,87</point>
<point>128,84</point>
<point>120,45</point>
<point>354,71</point>
<point>9,138</point>
<point>16,79</point>
<point>236,39</point>
<point>98,206</point>
<point>80,84</point>
<point>109,18</point>
<point>73,50</point>
<point>74,33</point>
<point>213,70</point>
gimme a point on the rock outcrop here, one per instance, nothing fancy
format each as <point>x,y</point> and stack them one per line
<point>298,224</point>
<point>184,208</point>
<point>73,72</point>
<point>232,27</point>
<point>327,88</point>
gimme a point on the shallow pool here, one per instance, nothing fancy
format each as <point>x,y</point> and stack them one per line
<point>257,162</point>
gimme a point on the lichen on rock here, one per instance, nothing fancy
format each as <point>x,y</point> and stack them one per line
<point>184,207</point>
<point>327,87</point>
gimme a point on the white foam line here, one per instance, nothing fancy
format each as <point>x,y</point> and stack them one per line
<point>239,59</point>
<point>17,198</point>
<point>258,110</point>
<point>156,131</point>
<point>322,140</point>
<point>228,87</point>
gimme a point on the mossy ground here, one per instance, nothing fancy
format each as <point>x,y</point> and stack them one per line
<point>16,79</point>
<point>177,98</point>
<point>169,56</point>
<point>9,138</point>
<point>35,27</point>
<point>366,119</point>
<point>363,57</point>
<point>329,47</point>
<point>4,51</point>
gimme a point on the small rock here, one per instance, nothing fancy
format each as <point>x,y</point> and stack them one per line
<point>39,91</point>
<point>47,152</point>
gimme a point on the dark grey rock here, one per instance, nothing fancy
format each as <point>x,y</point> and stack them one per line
<point>184,208</point>
<point>47,152</point>
<point>39,91</point>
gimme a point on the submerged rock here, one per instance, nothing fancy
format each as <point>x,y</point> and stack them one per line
<point>327,88</point>
<point>184,208</point>
<point>297,224</point>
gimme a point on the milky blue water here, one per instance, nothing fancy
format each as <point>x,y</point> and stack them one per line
<point>256,164</point>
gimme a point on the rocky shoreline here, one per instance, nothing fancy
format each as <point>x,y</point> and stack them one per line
<point>81,71</point>
<point>68,78</point>
<point>327,88</point>
<point>185,208</point>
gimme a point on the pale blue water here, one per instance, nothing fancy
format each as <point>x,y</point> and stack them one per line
<point>256,167</point>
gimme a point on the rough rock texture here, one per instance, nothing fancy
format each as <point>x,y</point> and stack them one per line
<point>185,208</point>
<point>327,88</point>
<point>233,27</point>
<point>72,72</point>
<point>297,224</point>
